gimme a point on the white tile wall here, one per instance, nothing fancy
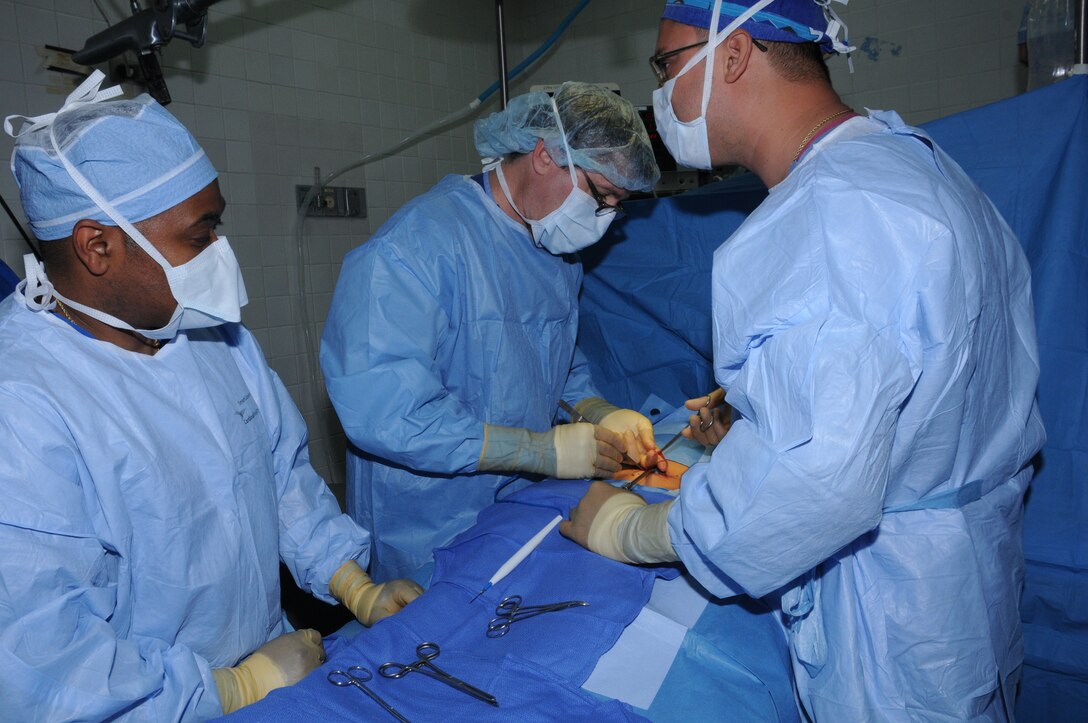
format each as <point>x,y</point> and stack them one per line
<point>284,85</point>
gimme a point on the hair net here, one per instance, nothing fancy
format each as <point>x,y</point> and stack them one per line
<point>604,131</point>
<point>782,21</point>
<point>133,152</point>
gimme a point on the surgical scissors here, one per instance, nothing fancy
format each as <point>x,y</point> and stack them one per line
<point>357,675</point>
<point>575,415</point>
<point>510,610</point>
<point>427,652</point>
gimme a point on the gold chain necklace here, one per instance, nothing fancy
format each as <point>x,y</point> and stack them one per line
<point>818,126</point>
<point>153,343</point>
<point>64,311</point>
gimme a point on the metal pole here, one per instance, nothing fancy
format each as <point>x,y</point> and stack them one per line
<point>504,90</point>
<point>1079,33</point>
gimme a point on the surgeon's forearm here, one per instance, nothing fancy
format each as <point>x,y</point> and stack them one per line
<point>514,449</point>
<point>629,530</point>
<point>370,602</point>
<point>237,688</point>
<point>594,409</point>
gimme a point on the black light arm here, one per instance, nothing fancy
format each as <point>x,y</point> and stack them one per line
<point>148,29</point>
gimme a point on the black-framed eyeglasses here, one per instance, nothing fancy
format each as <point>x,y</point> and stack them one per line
<point>662,73</point>
<point>604,207</point>
<point>657,61</point>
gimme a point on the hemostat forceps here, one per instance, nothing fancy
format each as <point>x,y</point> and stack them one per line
<point>357,675</point>
<point>427,652</point>
<point>510,610</point>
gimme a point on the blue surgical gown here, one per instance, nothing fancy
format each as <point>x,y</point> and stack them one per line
<point>448,318</point>
<point>145,504</point>
<point>873,328</point>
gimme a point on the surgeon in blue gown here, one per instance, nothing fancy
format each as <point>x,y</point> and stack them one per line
<point>451,335</point>
<point>153,469</point>
<point>873,329</point>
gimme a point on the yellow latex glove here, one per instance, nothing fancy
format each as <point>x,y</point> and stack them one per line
<point>633,428</point>
<point>620,525</point>
<point>367,601</point>
<point>280,662</point>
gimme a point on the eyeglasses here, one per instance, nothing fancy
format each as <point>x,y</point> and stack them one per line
<point>604,207</point>
<point>657,61</point>
<point>662,73</point>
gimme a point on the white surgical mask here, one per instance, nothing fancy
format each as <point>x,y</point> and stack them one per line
<point>688,141</point>
<point>208,290</point>
<point>572,226</point>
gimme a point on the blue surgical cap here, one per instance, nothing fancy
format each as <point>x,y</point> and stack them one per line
<point>604,131</point>
<point>782,21</point>
<point>139,157</point>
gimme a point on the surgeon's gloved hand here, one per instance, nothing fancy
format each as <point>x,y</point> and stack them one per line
<point>634,428</point>
<point>280,662</point>
<point>370,602</point>
<point>620,525</point>
<point>568,451</point>
<point>711,419</point>
<point>586,450</point>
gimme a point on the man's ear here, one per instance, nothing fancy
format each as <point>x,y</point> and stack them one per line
<point>732,56</point>
<point>96,246</point>
<point>542,160</point>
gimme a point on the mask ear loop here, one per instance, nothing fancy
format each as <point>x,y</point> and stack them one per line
<point>712,51</point>
<point>36,288</point>
<point>566,145</point>
<point>506,192</point>
<point>92,193</point>
<point>98,200</point>
<point>708,50</point>
<point>87,93</point>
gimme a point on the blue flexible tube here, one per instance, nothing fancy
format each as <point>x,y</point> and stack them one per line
<point>531,58</point>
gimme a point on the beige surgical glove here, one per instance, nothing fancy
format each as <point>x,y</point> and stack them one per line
<point>633,428</point>
<point>568,451</point>
<point>367,601</point>
<point>280,662</point>
<point>620,525</point>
